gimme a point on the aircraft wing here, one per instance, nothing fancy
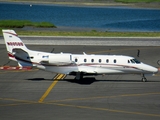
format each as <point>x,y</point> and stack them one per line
<point>87,70</point>
<point>84,70</point>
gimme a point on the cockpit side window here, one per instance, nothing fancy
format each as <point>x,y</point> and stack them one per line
<point>132,61</point>
<point>135,61</point>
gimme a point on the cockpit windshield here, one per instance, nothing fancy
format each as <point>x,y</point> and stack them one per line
<point>135,61</point>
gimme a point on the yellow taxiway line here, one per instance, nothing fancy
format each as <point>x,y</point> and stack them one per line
<point>56,79</point>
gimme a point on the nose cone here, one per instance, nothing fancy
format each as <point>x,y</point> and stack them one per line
<point>154,70</point>
<point>151,69</point>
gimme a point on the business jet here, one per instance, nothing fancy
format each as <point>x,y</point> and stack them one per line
<point>78,65</point>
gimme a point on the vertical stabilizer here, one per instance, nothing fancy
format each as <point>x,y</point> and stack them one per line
<point>16,49</point>
<point>12,42</point>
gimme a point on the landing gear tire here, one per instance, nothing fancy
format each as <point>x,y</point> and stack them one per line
<point>144,80</point>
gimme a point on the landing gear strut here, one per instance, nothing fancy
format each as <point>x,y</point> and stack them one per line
<point>144,79</point>
<point>79,76</point>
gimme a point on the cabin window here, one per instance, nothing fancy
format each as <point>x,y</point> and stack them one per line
<point>85,60</point>
<point>128,61</point>
<point>115,61</point>
<point>92,60</point>
<point>100,60</point>
<point>76,60</point>
<point>107,61</point>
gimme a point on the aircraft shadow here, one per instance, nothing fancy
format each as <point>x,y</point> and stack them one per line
<point>88,80</point>
<point>84,81</point>
<point>39,79</point>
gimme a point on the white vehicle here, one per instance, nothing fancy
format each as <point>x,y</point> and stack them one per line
<point>78,65</point>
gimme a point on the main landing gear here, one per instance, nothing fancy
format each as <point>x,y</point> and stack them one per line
<point>79,76</point>
<point>144,79</point>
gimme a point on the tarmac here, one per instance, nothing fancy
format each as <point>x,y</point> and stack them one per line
<point>34,94</point>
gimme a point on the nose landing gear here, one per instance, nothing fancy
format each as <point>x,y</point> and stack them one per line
<point>144,79</point>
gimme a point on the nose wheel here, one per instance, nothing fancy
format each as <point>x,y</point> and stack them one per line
<point>144,79</point>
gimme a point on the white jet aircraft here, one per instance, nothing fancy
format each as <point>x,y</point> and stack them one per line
<point>78,65</point>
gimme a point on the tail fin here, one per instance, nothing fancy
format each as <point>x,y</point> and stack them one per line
<point>12,42</point>
<point>16,49</point>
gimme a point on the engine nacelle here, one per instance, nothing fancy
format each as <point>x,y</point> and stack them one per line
<point>57,59</point>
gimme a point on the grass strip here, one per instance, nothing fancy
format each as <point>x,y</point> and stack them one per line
<point>23,23</point>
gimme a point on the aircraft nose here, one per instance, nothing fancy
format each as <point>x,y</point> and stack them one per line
<point>153,69</point>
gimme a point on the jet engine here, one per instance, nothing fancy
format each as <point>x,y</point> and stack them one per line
<point>57,59</point>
